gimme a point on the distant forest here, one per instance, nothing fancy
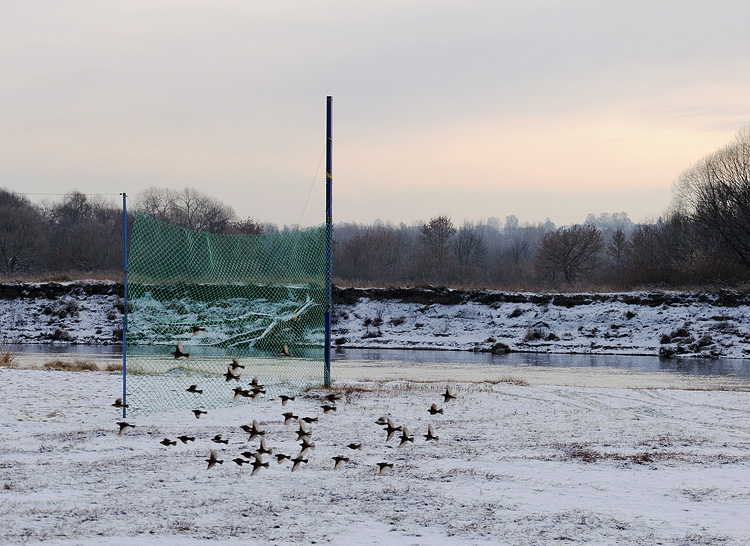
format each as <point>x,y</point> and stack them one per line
<point>703,240</point>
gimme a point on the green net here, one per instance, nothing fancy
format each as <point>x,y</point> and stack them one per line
<point>259,299</point>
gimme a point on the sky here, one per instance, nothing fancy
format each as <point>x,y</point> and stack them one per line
<point>474,109</point>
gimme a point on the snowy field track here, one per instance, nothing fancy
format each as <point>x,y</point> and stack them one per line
<point>514,464</point>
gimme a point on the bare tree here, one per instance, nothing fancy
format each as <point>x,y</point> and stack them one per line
<point>571,251</point>
<point>468,246</point>
<point>715,194</point>
<point>187,208</point>
<point>22,233</point>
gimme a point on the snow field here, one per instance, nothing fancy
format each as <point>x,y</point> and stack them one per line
<point>514,465</point>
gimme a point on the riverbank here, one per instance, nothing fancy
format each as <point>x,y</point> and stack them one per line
<point>708,325</point>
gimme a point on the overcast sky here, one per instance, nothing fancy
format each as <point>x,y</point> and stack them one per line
<point>473,109</point>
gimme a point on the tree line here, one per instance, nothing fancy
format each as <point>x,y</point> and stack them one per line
<point>703,239</point>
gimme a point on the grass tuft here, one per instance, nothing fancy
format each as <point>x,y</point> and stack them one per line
<point>75,366</point>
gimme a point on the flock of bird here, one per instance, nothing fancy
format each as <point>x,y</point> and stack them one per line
<point>304,433</point>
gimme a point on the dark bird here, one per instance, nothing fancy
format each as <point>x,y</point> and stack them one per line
<point>285,350</point>
<point>263,450</point>
<point>405,437</point>
<point>288,416</point>
<point>327,408</point>
<point>383,466</point>
<point>230,375</point>
<point>198,413</point>
<point>305,445</point>
<point>302,432</point>
<point>355,446</point>
<point>430,434</point>
<point>240,461</point>
<point>179,351</point>
<point>280,457</point>
<point>195,389</point>
<point>213,460</point>
<point>257,391</point>
<point>217,440</point>
<point>253,430</point>
<point>254,381</point>
<point>123,425</point>
<point>195,328</point>
<point>434,410</point>
<point>333,397</point>
<point>297,461</point>
<point>309,420</point>
<point>118,404</point>
<point>285,399</point>
<point>185,439</point>
<point>238,392</point>
<point>339,459</point>
<point>391,429</point>
<point>382,420</point>
<point>448,396</point>
<point>257,465</point>
<point>168,442</point>
<point>236,364</point>
<point>249,454</point>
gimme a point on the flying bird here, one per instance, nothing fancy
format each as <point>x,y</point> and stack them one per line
<point>285,350</point>
<point>382,466</point>
<point>333,397</point>
<point>213,460</point>
<point>306,444</point>
<point>118,404</point>
<point>168,442</point>
<point>355,446</point>
<point>253,430</point>
<point>185,439</point>
<point>405,437</point>
<point>179,351</point>
<point>339,459</point>
<point>327,408</point>
<point>434,410</point>
<point>288,416</point>
<point>448,396</point>
<point>302,432</point>
<point>254,381</point>
<point>230,375</point>
<point>309,420</point>
<point>280,457</point>
<point>257,465</point>
<point>195,389</point>
<point>195,328</point>
<point>430,434</point>
<point>263,450</point>
<point>236,364</point>
<point>198,413</point>
<point>297,461</point>
<point>217,440</point>
<point>257,391</point>
<point>238,392</point>
<point>240,461</point>
<point>285,399</point>
<point>123,425</point>
<point>391,429</point>
<point>382,420</point>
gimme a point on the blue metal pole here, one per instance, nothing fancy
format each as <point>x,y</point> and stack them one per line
<point>329,236</point>
<point>125,312</point>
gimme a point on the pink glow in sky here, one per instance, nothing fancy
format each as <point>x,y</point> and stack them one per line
<point>541,109</point>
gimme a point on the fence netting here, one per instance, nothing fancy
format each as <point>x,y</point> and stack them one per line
<point>253,300</point>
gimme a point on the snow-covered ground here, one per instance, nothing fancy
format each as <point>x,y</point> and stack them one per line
<point>513,465</point>
<point>700,324</point>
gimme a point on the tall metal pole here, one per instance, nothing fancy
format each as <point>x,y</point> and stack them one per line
<point>125,312</point>
<point>329,237</point>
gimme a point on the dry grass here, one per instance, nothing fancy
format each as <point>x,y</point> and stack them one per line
<point>6,356</point>
<point>75,366</point>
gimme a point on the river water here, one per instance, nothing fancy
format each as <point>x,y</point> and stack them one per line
<point>533,368</point>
